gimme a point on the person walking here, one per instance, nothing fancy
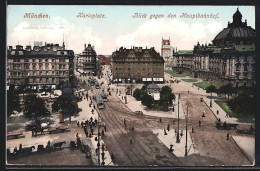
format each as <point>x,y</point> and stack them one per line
<point>168,127</point>
<point>192,129</point>
<point>78,123</point>
<point>165,133</point>
<point>227,136</point>
<point>131,141</point>
<point>217,112</point>
<point>199,123</point>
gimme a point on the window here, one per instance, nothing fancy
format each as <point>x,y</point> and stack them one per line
<point>60,66</point>
<point>33,66</point>
<point>53,80</point>
<point>40,60</point>
<point>53,73</point>
<point>46,60</point>
<point>34,73</point>
<point>40,66</point>
<point>46,66</point>
<point>40,73</point>
<point>52,60</point>
<point>26,60</point>
<point>52,66</point>
<point>33,60</point>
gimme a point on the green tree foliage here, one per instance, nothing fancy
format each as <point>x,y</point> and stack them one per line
<point>34,104</point>
<point>244,101</point>
<point>227,89</point>
<point>147,100</point>
<point>166,95</point>
<point>13,102</point>
<point>137,94</point>
<point>62,102</point>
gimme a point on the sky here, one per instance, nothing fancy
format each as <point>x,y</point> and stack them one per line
<point>118,27</point>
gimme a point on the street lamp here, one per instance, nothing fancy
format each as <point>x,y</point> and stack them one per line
<point>210,104</point>
<point>98,142</point>
<point>178,136</point>
<point>186,152</point>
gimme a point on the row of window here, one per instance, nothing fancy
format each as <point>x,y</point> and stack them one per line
<point>123,64</point>
<point>34,73</point>
<point>139,69</point>
<point>40,60</point>
<point>137,74</point>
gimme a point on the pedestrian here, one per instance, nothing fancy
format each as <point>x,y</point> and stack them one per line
<point>217,112</point>
<point>192,129</point>
<point>90,97</point>
<point>105,127</point>
<point>77,136</point>
<point>175,130</point>
<point>86,133</point>
<point>112,157</point>
<point>91,119</point>
<point>199,123</point>
<point>181,134</point>
<point>165,132</point>
<point>168,127</point>
<point>48,144</point>
<point>227,136</point>
<point>85,129</point>
<point>102,132</point>
<point>131,141</point>
<point>92,130</point>
<point>78,123</point>
<point>82,124</point>
<point>170,150</point>
<point>94,107</point>
<point>122,97</point>
<point>124,121</point>
<point>32,133</point>
<point>92,111</point>
<point>160,120</point>
<point>188,92</point>
<point>218,119</point>
<point>20,148</point>
<point>95,121</point>
<point>70,120</point>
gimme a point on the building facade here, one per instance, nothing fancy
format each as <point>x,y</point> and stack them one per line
<point>137,65</point>
<point>87,61</point>
<point>229,59</point>
<point>39,66</point>
<point>167,53</point>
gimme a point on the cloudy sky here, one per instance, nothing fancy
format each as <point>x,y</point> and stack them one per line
<point>119,28</point>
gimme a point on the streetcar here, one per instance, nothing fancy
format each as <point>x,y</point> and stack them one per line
<point>100,102</point>
<point>104,96</point>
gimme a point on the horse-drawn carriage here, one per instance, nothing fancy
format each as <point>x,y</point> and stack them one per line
<point>225,125</point>
<point>62,128</point>
<point>245,129</point>
<point>14,134</point>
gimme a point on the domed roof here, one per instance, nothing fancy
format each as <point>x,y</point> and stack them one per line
<point>236,31</point>
<point>89,47</point>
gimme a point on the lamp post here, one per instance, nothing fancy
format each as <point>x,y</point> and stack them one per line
<point>98,142</point>
<point>178,136</point>
<point>210,104</point>
<point>186,152</point>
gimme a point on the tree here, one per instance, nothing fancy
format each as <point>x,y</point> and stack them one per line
<point>147,100</point>
<point>34,105</point>
<point>137,94</point>
<point>226,90</point>
<point>211,89</point>
<point>166,95</point>
<point>62,102</point>
<point>13,102</point>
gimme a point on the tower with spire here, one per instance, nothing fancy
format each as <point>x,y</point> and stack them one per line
<point>166,52</point>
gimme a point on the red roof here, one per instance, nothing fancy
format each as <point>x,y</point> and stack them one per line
<point>166,42</point>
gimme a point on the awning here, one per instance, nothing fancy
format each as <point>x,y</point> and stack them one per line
<point>53,86</point>
<point>149,79</point>
<point>156,96</point>
<point>119,79</point>
<point>129,79</point>
<point>7,87</point>
<point>155,79</point>
<point>144,79</point>
<point>160,79</point>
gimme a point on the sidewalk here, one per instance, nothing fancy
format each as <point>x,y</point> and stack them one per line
<point>206,97</point>
<point>170,139</point>
<point>134,105</point>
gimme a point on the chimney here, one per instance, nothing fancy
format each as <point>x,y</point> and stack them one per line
<point>85,46</point>
<point>28,48</point>
<point>10,47</point>
<point>136,49</point>
<point>140,49</point>
<point>45,43</point>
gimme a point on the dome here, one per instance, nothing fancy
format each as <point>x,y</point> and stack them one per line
<point>236,32</point>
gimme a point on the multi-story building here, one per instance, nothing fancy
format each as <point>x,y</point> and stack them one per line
<point>167,52</point>
<point>38,66</point>
<point>229,59</point>
<point>87,61</point>
<point>137,65</point>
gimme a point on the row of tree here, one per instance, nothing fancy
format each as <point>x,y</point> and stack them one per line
<point>240,99</point>
<point>166,97</point>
